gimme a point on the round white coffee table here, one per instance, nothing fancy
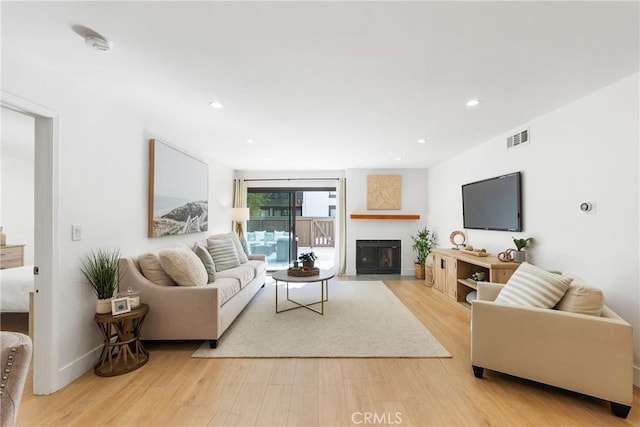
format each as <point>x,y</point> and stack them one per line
<point>323,277</point>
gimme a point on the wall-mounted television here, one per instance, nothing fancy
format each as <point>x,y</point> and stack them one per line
<point>493,204</point>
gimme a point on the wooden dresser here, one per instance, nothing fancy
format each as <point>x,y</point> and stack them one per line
<point>11,256</point>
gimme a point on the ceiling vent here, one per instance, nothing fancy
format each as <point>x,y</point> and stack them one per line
<point>518,138</point>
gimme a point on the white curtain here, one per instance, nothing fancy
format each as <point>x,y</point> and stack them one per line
<point>341,227</point>
<point>239,196</point>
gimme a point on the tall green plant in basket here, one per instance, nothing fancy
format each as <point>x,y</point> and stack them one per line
<point>423,243</point>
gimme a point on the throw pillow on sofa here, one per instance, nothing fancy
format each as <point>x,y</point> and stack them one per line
<point>224,253</point>
<point>207,261</point>
<point>245,246</point>
<point>152,270</point>
<point>183,266</point>
<point>236,244</point>
<point>534,287</point>
<point>582,299</point>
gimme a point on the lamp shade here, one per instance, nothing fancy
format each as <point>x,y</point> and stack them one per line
<point>239,214</point>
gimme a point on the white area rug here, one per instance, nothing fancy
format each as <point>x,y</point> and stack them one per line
<point>361,319</point>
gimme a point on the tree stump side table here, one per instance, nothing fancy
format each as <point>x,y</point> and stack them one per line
<point>123,351</point>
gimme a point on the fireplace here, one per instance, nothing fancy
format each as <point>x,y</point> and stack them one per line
<point>378,256</point>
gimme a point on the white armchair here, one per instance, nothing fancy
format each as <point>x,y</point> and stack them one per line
<point>587,354</point>
<point>15,352</point>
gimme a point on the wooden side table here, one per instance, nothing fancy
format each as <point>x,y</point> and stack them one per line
<point>123,351</point>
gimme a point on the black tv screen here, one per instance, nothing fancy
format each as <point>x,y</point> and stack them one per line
<point>493,204</point>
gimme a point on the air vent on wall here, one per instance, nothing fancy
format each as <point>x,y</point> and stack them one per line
<point>518,138</point>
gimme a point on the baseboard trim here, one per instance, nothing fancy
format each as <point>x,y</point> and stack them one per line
<point>636,376</point>
<point>78,367</point>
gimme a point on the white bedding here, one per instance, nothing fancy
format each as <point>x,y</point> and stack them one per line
<point>15,285</point>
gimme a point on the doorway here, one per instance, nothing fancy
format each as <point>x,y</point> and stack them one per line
<point>46,232</point>
<point>17,221</point>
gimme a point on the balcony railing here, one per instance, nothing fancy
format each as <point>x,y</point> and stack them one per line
<point>311,231</point>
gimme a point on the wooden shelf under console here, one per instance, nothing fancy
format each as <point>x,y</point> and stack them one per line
<point>384,216</point>
<point>452,270</point>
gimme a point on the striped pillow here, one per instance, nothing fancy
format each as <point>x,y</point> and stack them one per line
<point>223,252</point>
<point>534,287</point>
<point>236,243</point>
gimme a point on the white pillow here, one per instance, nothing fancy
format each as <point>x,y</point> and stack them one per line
<point>183,266</point>
<point>534,287</point>
<point>224,254</point>
<point>236,244</point>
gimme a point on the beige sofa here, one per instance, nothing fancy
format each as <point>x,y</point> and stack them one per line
<point>194,312</point>
<point>592,355</point>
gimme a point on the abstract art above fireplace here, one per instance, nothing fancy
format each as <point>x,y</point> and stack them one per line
<point>384,192</point>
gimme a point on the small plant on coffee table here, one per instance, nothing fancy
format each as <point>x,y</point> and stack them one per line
<point>308,259</point>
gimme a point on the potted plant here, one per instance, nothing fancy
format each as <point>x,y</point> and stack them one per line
<point>100,269</point>
<point>423,242</point>
<point>307,259</point>
<point>521,244</point>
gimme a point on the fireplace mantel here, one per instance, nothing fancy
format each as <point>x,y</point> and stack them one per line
<point>386,216</point>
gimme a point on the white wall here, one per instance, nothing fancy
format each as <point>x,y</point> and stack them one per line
<point>414,201</point>
<point>103,179</point>
<point>17,147</point>
<point>585,151</point>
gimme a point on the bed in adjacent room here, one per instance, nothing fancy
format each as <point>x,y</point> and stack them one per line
<point>15,286</point>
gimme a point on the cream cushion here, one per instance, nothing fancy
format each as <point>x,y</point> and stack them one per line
<point>152,270</point>
<point>243,274</point>
<point>534,287</point>
<point>236,244</point>
<point>183,266</point>
<point>583,299</point>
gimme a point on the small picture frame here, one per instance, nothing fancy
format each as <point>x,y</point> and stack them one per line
<point>120,306</point>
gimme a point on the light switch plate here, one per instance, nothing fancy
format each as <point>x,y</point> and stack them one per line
<point>76,232</point>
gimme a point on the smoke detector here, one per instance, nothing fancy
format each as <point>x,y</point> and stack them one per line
<point>98,43</point>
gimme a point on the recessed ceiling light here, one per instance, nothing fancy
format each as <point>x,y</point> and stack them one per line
<point>398,159</point>
<point>422,140</point>
<point>250,141</point>
<point>473,102</point>
<point>215,104</point>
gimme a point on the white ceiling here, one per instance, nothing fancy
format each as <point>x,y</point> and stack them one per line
<point>334,85</point>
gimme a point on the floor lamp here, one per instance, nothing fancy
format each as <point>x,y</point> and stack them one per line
<point>239,215</point>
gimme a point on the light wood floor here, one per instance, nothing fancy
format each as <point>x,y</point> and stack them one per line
<point>175,390</point>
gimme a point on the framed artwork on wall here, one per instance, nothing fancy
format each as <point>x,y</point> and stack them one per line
<point>384,192</point>
<point>178,192</point>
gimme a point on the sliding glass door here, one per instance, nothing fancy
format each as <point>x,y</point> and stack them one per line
<point>271,228</point>
<point>287,221</point>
